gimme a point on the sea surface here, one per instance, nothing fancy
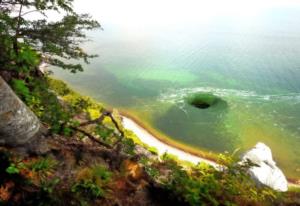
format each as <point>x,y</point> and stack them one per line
<point>252,65</point>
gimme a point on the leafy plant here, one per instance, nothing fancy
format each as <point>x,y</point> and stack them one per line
<point>92,181</point>
<point>42,164</point>
<point>19,86</point>
<point>42,167</point>
<point>12,169</point>
<point>88,188</point>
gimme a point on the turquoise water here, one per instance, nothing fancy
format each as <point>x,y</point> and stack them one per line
<point>254,67</point>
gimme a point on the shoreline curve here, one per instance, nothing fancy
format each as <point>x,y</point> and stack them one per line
<point>149,139</point>
<point>146,137</point>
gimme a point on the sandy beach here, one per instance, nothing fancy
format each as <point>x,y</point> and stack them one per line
<point>161,147</point>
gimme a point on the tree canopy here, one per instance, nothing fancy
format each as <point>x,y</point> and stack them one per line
<point>26,41</point>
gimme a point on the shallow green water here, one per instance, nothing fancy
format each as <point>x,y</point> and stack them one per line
<point>255,68</point>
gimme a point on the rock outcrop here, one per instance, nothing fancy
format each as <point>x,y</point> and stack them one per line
<point>266,172</point>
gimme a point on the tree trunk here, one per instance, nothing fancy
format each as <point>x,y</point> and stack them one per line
<point>18,124</point>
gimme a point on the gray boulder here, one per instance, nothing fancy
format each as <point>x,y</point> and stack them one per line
<point>266,172</point>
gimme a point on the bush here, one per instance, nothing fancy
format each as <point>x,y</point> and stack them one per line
<point>203,184</point>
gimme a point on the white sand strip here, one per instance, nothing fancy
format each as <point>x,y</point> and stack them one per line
<point>161,147</point>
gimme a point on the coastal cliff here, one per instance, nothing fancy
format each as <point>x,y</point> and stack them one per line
<point>94,160</point>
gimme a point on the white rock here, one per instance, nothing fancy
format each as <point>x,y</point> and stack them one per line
<point>266,172</point>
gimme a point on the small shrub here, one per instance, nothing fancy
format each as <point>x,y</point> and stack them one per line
<point>91,181</point>
<point>42,167</point>
<point>42,164</point>
<point>88,188</point>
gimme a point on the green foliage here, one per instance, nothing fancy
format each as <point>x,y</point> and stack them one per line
<point>48,186</point>
<point>102,172</point>
<point>40,94</point>
<point>104,133</point>
<point>77,102</point>
<point>20,88</point>
<point>90,182</point>
<point>22,40</point>
<point>152,171</point>
<point>131,135</point>
<point>128,146</point>
<point>205,184</point>
<point>88,188</point>
<point>12,169</point>
<point>47,194</point>
<point>25,43</point>
<point>74,104</point>
<point>61,42</point>
<point>295,189</point>
<point>35,93</point>
<point>169,157</point>
<point>43,164</point>
<point>47,107</point>
<point>26,58</point>
<point>153,150</point>
<point>59,87</point>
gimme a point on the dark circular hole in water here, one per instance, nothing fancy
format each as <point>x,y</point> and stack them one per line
<point>202,100</point>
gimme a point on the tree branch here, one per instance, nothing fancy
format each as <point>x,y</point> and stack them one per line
<point>91,137</point>
<point>116,124</point>
<point>28,12</point>
<point>100,119</point>
<point>95,121</point>
<point>15,43</point>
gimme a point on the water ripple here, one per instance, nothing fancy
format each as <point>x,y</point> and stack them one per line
<point>178,95</point>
